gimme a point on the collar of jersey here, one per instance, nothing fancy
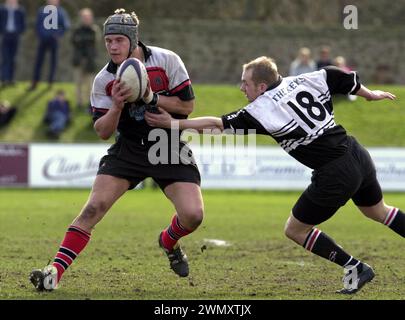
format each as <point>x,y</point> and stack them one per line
<point>275,84</point>
<point>147,52</point>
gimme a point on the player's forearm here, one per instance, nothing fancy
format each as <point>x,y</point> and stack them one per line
<point>375,95</point>
<point>199,124</point>
<point>175,105</point>
<point>106,126</point>
<point>364,92</point>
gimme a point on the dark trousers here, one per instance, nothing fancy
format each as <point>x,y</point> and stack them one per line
<point>9,46</point>
<point>46,44</point>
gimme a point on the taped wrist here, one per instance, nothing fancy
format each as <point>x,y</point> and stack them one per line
<point>152,105</point>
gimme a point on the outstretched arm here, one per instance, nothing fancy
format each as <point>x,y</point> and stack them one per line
<point>342,82</point>
<point>165,120</point>
<point>374,95</point>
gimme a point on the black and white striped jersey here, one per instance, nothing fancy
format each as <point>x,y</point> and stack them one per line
<point>298,113</point>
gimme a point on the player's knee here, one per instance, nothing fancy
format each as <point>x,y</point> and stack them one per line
<point>193,217</point>
<point>377,213</point>
<point>197,216</point>
<point>287,231</point>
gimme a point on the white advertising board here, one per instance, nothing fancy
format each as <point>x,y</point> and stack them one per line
<point>64,165</point>
<point>75,165</point>
<point>250,168</point>
<point>390,165</point>
<point>272,168</point>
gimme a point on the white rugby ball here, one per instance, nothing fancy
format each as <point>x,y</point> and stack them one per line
<point>133,73</point>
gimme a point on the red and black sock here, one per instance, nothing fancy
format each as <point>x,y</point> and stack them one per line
<point>320,244</point>
<point>173,233</point>
<point>396,221</point>
<point>74,242</point>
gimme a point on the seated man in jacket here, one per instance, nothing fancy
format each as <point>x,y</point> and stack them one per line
<point>7,113</point>
<point>57,115</point>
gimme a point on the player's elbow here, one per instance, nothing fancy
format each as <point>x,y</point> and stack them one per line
<point>102,134</point>
<point>187,107</point>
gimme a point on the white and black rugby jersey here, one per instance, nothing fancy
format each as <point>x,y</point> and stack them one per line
<point>168,76</point>
<point>298,113</point>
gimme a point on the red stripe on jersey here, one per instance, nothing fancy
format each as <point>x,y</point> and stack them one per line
<point>181,86</point>
<point>158,79</point>
<point>108,88</point>
<point>94,109</point>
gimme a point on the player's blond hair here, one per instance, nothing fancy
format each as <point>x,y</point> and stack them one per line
<point>264,70</point>
<point>132,14</point>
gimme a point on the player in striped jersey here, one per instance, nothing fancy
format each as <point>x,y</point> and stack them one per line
<point>127,162</point>
<point>298,113</point>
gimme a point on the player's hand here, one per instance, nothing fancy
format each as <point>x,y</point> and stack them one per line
<point>120,93</point>
<point>375,95</point>
<point>163,119</point>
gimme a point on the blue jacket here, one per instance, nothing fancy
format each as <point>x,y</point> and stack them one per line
<point>43,17</point>
<point>56,105</point>
<point>19,19</point>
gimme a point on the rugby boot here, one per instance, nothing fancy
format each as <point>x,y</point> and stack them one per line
<point>177,258</point>
<point>353,281</point>
<point>45,279</point>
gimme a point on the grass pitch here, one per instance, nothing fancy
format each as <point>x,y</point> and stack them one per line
<point>123,261</point>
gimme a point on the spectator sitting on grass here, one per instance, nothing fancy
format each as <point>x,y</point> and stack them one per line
<point>7,113</point>
<point>57,115</point>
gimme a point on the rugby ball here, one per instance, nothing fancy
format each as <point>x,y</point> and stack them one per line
<point>133,74</point>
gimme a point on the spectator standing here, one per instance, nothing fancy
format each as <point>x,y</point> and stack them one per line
<point>49,39</point>
<point>303,63</point>
<point>12,25</point>
<point>84,39</point>
<point>57,115</point>
<point>324,58</point>
<point>340,62</point>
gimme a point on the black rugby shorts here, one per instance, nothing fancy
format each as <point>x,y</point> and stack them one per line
<point>351,176</point>
<point>129,161</point>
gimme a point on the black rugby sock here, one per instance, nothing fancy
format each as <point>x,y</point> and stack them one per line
<point>395,220</point>
<point>320,244</point>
